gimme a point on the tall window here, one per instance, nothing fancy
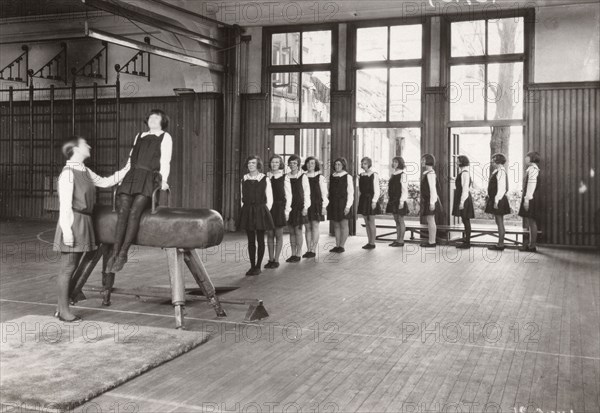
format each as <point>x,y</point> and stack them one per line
<point>486,70</point>
<point>300,76</point>
<point>388,73</point>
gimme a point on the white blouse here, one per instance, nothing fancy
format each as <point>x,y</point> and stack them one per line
<point>465,180</point>
<point>376,189</point>
<point>432,187</point>
<point>65,192</point>
<point>404,181</point>
<point>501,178</point>
<point>532,175</point>
<point>305,188</point>
<point>268,190</point>
<point>322,186</point>
<point>350,188</point>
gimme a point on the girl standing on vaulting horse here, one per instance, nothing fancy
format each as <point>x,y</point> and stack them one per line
<point>148,168</point>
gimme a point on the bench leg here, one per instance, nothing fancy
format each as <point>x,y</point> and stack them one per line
<point>194,263</point>
<point>175,259</point>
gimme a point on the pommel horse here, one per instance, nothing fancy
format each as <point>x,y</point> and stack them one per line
<point>180,232</point>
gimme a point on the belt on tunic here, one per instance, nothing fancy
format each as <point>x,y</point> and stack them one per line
<point>89,214</point>
<point>144,168</point>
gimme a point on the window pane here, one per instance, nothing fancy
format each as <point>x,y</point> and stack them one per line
<point>279,144</point>
<point>468,38</point>
<point>405,42</point>
<point>316,87</point>
<point>371,44</point>
<point>285,49</point>
<point>466,92</point>
<point>317,143</point>
<point>371,95</point>
<point>284,97</point>
<point>405,94</point>
<point>381,145</point>
<point>505,91</point>
<point>505,36</point>
<point>316,47</point>
<point>289,144</point>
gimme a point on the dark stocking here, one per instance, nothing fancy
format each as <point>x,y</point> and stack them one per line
<point>252,247</point>
<point>140,203</point>
<point>467,224</point>
<point>260,238</point>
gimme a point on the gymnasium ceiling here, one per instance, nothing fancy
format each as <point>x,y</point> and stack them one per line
<point>259,13</point>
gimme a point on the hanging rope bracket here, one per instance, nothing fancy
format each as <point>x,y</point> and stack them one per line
<point>23,58</point>
<point>93,67</point>
<point>140,57</point>
<point>53,67</point>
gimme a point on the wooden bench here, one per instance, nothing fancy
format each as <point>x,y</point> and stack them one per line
<point>476,232</point>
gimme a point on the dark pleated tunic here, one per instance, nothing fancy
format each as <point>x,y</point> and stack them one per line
<point>503,204</point>
<point>468,212</point>
<point>366,186</point>
<point>338,197</point>
<point>144,176</point>
<point>296,217</point>
<point>255,215</point>
<point>278,208</point>
<point>394,195</point>
<point>426,196</point>
<point>84,198</point>
<point>535,207</point>
<point>316,200</point>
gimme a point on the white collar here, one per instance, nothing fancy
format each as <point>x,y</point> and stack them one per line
<point>369,172</point>
<point>429,172</point>
<point>312,174</point>
<point>79,166</point>
<point>398,172</point>
<point>338,174</point>
<point>254,178</point>
<point>298,174</point>
<point>464,168</point>
<point>278,173</point>
<point>534,165</point>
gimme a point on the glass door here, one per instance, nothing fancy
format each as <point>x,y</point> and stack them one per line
<point>479,144</point>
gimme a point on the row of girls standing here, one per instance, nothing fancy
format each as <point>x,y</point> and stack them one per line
<point>298,199</point>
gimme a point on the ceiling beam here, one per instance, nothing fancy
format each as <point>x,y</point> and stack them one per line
<point>129,11</point>
<point>159,51</point>
<point>193,14</point>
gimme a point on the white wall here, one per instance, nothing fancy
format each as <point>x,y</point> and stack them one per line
<point>567,43</point>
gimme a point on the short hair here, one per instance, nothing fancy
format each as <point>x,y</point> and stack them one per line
<point>281,163</point>
<point>368,160</point>
<point>534,157</point>
<point>259,163</point>
<point>295,158</point>
<point>344,163</point>
<point>429,159</point>
<point>400,160</point>
<point>463,160</point>
<point>499,158</point>
<point>164,119</point>
<point>69,145</point>
<point>317,163</point>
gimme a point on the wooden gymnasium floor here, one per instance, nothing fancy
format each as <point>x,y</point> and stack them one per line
<point>376,331</point>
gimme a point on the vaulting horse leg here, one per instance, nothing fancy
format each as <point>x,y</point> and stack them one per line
<point>194,263</point>
<point>175,259</point>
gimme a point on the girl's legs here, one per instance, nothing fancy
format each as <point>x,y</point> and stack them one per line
<point>279,243</point>
<point>308,235</point>
<point>139,204</point>
<point>345,231</point>
<point>337,230</point>
<point>260,239</point>
<point>368,228</point>
<point>501,230</point>
<point>373,230</point>
<point>299,240</point>
<point>271,244</point>
<point>124,208</point>
<point>432,228</point>
<point>533,232</point>
<point>252,248</point>
<point>293,247</point>
<point>400,228</point>
<point>68,264</point>
<point>467,224</point>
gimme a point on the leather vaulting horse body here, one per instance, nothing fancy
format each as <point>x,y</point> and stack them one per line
<point>180,231</point>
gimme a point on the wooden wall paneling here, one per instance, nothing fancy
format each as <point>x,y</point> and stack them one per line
<point>563,126</point>
<point>435,140</point>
